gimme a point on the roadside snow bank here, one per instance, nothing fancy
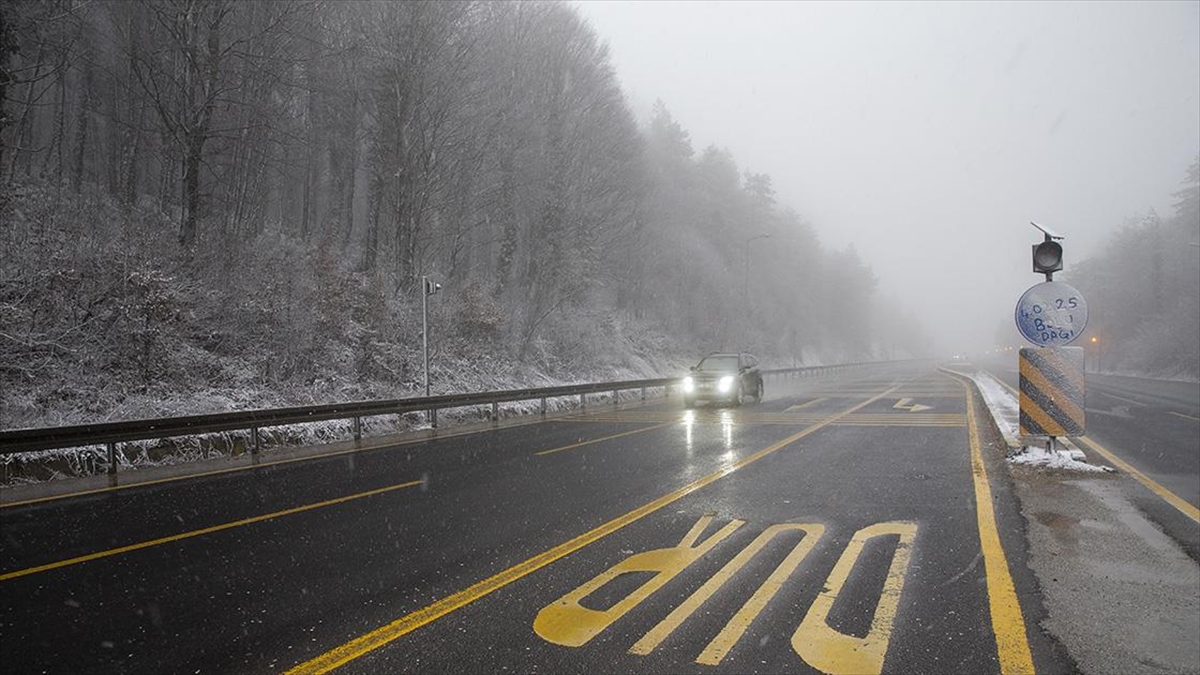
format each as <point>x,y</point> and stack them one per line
<point>1032,455</point>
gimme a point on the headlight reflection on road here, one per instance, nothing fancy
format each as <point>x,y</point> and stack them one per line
<point>727,428</point>
<point>689,418</point>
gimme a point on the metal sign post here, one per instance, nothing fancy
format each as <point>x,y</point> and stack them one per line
<point>1051,315</point>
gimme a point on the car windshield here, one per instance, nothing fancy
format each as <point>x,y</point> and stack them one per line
<point>718,362</point>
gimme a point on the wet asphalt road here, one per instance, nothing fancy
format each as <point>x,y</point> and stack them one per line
<point>832,527</point>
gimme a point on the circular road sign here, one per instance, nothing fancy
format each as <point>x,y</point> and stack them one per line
<point>1051,314</point>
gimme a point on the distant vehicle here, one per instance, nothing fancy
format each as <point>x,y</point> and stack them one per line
<point>723,378</point>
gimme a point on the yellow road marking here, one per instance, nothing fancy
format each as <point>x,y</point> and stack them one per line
<point>602,438</point>
<point>720,645</point>
<point>1184,416</point>
<point>567,622</point>
<point>1170,497</point>
<point>1012,643</point>
<point>834,652</point>
<point>385,634</point>
<point>196,533</point>
<point>805,405</point>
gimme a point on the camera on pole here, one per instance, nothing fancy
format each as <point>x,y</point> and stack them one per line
<point>430,287</point>
<point>1047,255</point>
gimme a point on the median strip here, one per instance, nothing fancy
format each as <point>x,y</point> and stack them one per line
<point>207,530</point>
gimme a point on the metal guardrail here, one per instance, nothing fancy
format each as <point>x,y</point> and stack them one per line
<point>111,433</point>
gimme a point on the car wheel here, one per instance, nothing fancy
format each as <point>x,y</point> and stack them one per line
<point>738,399</point>
<point>758,392</point>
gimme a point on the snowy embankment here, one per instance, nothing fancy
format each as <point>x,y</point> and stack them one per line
<point>1006,411</point>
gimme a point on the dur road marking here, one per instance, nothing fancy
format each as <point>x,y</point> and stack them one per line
<point>207,530</point>
<point>729,636</point>
<point>566,622</point>
<point>1012,643</point>
<point>832,651</point>
<point>369,642</point>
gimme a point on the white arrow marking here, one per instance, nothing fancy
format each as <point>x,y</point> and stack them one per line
<point>907,404</point>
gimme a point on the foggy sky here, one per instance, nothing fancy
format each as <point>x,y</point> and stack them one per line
<point>929,135</point>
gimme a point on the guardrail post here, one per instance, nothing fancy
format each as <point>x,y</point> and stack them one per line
<point>543,406</point>
<point>433,417</point>
<point>495,412</point>
<point>357,429</point>
<point>582,401</point>
<point>254,448</point>
<point>112,459</point>
<point>643,394</point>
<point>615,392</point>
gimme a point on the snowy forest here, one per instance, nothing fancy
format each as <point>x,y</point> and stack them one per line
<point>1143,289</point>
<point>213,204</point>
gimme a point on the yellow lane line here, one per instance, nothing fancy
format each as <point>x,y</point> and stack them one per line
<point>602,438</point>
<point>1170,497</point>
<point>196,533</point>
<point>385,634</point>
<point>1184,416</point>
<point>803,405</point>
<point>1012,644</point>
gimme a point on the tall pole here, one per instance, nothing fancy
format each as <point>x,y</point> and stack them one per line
<point>425,327</point>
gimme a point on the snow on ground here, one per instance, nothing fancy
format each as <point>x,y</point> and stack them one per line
<point>1032,455</point>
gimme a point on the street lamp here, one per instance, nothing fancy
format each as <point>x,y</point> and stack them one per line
<point>746,282</point>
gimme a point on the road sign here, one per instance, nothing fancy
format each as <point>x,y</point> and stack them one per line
<point>1052,392</point>
<point>1051,314</point>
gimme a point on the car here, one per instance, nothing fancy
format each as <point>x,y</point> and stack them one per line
<point>723,377</point>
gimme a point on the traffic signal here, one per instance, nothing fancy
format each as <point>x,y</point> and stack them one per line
<point>1047,256</point>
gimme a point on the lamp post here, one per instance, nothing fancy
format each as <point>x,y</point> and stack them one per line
<point>746,280</point>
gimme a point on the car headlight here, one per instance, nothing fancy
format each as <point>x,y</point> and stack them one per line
<point>689,385</point>
<point>725,384</point>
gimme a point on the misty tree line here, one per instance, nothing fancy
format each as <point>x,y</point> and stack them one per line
<point>204,193</point>
<point>1143,292</point>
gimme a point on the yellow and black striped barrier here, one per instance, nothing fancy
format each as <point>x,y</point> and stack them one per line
<point>1052,392</point>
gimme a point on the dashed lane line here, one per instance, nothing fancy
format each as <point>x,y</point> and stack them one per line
<point>203,531</point>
